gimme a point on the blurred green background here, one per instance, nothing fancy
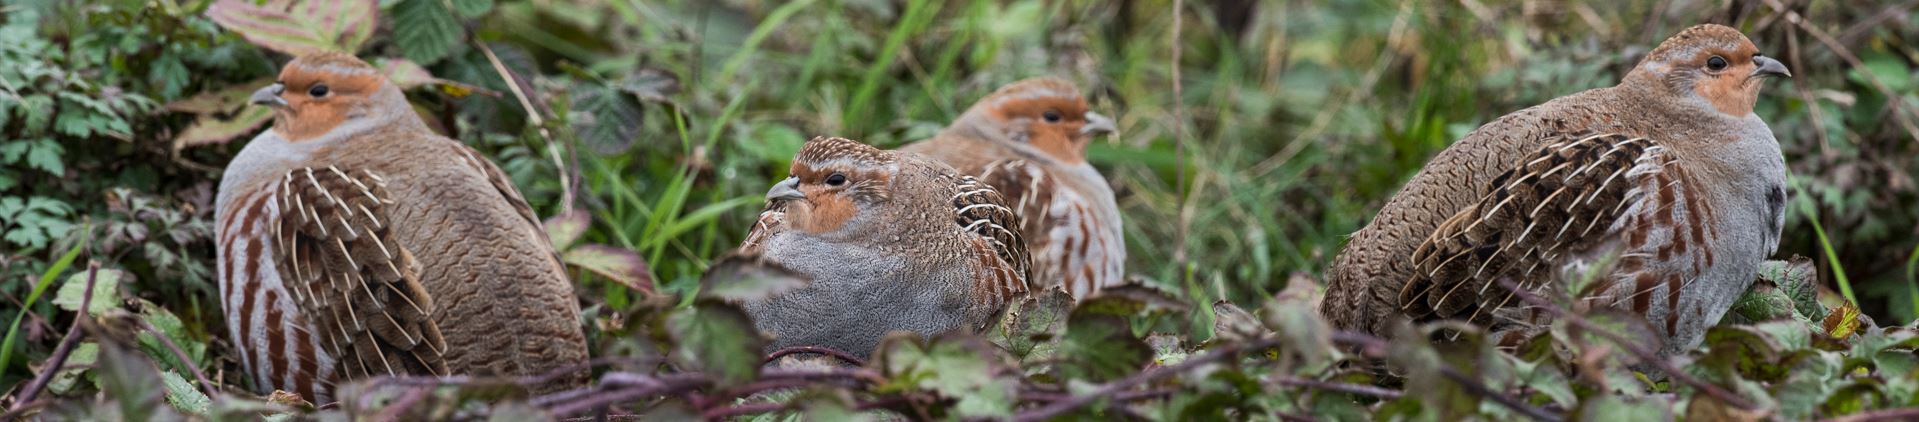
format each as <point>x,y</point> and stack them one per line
<point>1296,119</point>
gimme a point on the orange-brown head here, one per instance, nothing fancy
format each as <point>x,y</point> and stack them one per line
<point>1713,63</point>
<point>833,180</point>
<point>1047,113</point>
<point>320,92</point>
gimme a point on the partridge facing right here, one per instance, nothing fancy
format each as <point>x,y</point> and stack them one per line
<point>890,241</point>
<point>1667,183</point>
<point>1028,139</point>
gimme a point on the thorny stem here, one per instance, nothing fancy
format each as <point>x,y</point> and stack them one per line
<point>1638,350</point>
<point>1374,347</point>
<point>1113,388</point>
<point>65,348</point>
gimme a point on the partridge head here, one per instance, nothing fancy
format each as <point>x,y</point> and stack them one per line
<point>1028,140</point>
<point>1666,191</point>
<point>889,241</point>
<point>353,241</point>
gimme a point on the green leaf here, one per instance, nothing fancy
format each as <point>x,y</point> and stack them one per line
<point>1620,408</point>
<point>425,30</point>
<point>618,264</point>
<point>79,361</point>
<point>957,367</point>
<point>1031,329</point>
<point>564,229</point>
<point>182,396</point>
<point>299,27</point>
<point>170,326</point>
<point>45,155</point>
<point>739,279</point>
<point>106,292</point>
<point>472,8</point>
<point>1102,346</point>
<point>127,378</point>
<point>717,339</point>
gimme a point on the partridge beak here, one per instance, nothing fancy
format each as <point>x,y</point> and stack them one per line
<point>785,190</point>
<point>269,96</point>
<point>1770,67</point>
<point>1097,125</point>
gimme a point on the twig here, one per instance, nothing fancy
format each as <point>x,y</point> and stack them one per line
<point>1340,387</point>
<point>843,356</point>
<point>1899,112</point>
<point>60,352</point>
<point>1635,348</point>
<point>534,118</point>
<point>393,411</point>
<point>1179,148</point>
<point>1375,347</point>
<point>205,386</point>
<point>1113,388</point>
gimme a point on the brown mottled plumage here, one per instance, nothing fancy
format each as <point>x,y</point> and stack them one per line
<point>1028,139</point>
<point>889,241</point>
<point>1667,184</point>
<point>353,241</point>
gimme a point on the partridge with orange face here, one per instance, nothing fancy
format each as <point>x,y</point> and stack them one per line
<point>890,241</point>
<point>1028,139</point>
<point>353,241</point>
<point>1666,188</point>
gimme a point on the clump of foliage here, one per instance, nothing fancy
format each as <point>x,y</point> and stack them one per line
<point>648,130</point>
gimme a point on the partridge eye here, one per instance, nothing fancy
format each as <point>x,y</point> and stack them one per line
<point>1051,116</point>
<point>317,91</point>
<point>836,179</point>
<point>1716,63</point>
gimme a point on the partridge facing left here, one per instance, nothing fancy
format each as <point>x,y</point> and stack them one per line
<point>1028,139</point>
<point>354,241</point>
<point>890,242</point>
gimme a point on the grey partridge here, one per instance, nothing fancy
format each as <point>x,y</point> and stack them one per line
<point>1666,189</point>
<point>353,241</point>
<point>1028,139</point>
<point>889,241</point>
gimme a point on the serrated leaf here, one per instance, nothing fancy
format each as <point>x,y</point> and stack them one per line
<point>79,361</point>
<point>405,73</point>
<point>740,279</point>
<point>1102,346</point>
<point>170,326</point>
<point>44,154</point>
<point>182,396</point>
<point>718,339</point>
<point>955,366</point>
<point>425,30</point>
<point>618,264</point>
<point>564,229</point>
<point>299,27</point>
<point>106,292</point>
<point>1031,328</point>
<point>223,115</point>
<point>472,8</point>
<point>609,121</point>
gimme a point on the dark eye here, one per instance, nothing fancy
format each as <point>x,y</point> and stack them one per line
<point>836,179</point>
<point>317,91</point>
<point>1716,63</point>
<point>1051,116</point>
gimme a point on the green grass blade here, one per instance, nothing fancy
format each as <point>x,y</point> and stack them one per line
<point>46,279</point>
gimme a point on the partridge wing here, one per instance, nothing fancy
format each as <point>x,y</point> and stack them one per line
<point>993,229</point>
<point>1563,199</point>
<point>334,249</point>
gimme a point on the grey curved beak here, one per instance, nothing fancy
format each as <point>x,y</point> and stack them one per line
<point>1770,67</point>
<point>269,96</point>
<point>1097,125</point>
<point>785,190</point>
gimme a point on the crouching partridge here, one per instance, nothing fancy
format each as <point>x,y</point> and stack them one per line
<point>890,241</point>
<point>1028,140</point>
<point>1666,188</point>
<point>353,241</point>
